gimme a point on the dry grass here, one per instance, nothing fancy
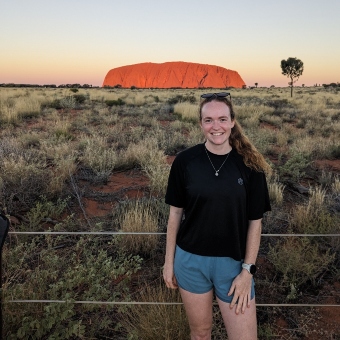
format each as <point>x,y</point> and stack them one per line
<point>276,190</point>
<point>313,217</point>
<point>150,322</point>
<point>187,111</point>
<point>153,162</point>
<point>336,185</point>
<point>299,260</point>
<point>139,216</point>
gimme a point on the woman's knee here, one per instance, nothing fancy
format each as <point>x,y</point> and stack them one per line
<point>201,333</point>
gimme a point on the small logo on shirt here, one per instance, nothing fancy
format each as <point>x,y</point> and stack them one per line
<point>240,181</point>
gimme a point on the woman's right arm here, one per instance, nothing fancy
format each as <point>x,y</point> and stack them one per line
<point>175,217</point>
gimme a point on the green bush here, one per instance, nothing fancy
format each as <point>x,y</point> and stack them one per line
<point>181,98</point>
<point>299,261</point>
<point>295,166</point>
<point>117,102</point>
<point>335,151</point>
<point>61,269</point>
<point>80,98</point>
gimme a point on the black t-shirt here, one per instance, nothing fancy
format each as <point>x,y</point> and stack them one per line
<point>217,209</point>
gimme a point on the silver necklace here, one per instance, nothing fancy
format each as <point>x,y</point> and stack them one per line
<point>216,171</point>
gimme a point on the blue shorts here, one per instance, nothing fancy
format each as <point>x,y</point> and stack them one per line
<point>200,274</point>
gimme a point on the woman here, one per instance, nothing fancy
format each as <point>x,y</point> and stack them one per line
<point>217,193</point>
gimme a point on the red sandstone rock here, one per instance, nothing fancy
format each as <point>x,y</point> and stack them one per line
<point>173,74</point>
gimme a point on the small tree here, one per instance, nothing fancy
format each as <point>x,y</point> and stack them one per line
<point>256,84</point>
<point>292,68</point>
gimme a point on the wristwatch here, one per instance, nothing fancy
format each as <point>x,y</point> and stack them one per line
<point>250,267</point>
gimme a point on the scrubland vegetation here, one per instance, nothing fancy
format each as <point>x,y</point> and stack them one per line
<point>62,151</point>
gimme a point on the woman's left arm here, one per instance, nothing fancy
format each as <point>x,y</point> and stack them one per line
<point>241,286</point>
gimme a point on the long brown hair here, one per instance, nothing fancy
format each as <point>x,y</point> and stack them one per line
<point>239,141</point>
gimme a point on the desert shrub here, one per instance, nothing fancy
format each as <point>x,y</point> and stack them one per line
<point>294,167</point>
<point>44,211</point>
<point>334,152</point>
<point>87,271</point>
<point>68,102</point>
<point>55,104</point>
<point>80,98</point>
<point>299,261</point>
<point>278,104</point>
<point>182,98</point>
<point>24,176</point>
<point>113,102</point>
<point>156,321</point>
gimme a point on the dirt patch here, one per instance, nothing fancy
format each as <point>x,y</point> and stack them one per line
<point>268,126</point>
<point>328,164</point>
<point>121,185</point>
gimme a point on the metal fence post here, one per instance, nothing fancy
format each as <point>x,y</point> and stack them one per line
<point>4,226</point>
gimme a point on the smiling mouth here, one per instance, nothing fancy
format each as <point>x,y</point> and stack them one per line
<point>217,134</point>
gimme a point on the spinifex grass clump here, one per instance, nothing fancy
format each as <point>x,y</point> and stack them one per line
<point>98,156</point>
<point>276,191</point>
<point>140,215</point>
<point>156,321</point>
<point>13,109</point>
<point>187,111</point>
<point>152,161</point>
<point>314,217</point>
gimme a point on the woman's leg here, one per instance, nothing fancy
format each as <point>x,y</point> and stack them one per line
<point>198,308</point>
<point>239,326</point>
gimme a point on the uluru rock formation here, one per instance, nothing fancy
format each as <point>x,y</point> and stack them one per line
<point>173,74</point>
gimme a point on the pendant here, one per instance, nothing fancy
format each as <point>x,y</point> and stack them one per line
<point>216,173</point>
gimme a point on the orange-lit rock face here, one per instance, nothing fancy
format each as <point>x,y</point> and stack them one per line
<point>173,74</point>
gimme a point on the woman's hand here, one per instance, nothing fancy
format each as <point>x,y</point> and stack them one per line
<point>241,288</point>
<point>169,276</point>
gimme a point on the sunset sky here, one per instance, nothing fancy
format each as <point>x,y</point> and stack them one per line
<point>60,42</point>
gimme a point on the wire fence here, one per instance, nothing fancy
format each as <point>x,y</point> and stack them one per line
<point>155,303</point>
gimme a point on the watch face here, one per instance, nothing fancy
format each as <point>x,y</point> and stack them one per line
<point>252,269</point>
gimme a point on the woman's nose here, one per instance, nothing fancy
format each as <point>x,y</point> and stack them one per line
<point>216,124</point>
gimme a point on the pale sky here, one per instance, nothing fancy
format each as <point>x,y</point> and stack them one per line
<point>65,41</point>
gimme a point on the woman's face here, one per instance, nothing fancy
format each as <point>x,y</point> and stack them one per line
<point>216,123</point>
